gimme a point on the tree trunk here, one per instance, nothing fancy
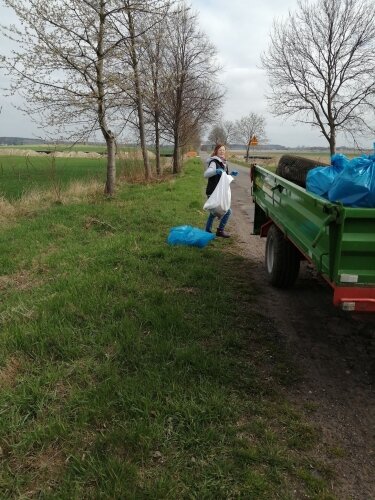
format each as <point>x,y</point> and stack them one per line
<point>155,77</point>
<point>111,164</point>
<point>332,142</point>
<point>138,93</point>
<point>176,153</point>
<point>247,152</point>
<point>109,137</point>
<point>142,136</point>
<point>177,127</point>
<point>157,144</point>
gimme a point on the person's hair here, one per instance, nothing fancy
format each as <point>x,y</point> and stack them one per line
<point>217,147</point>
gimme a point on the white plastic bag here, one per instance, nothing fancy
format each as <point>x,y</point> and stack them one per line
<point>219,201</point>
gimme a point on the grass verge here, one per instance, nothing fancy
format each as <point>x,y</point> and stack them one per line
<point>131,369</point>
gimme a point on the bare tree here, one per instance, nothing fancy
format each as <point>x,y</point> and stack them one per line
<point>153,42</point>
<point>63,65</point>
<point>250,127</point>
<point>321,66</point>
<point>69,56</point>
<point>134,62</point>
<point>191,95</point>
<point>222,133</point>
<point>217,135</point>
<point>229,131</point>
<point>142,19</point>
<point>195,139</point>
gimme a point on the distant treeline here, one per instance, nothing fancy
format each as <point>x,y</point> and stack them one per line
<point>18,141</point>
<point>21,141</point>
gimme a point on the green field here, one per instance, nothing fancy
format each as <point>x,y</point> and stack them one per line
<point>20,175</point>
<point>164,150</point>
<point>89,148</point>
<point>133,369</point>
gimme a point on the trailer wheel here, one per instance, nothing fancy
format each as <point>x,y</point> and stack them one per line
<point>295,168</point>
<point>282,259</point>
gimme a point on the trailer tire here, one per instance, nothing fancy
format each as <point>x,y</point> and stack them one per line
<point>295,168</point>
<point>282,259</point>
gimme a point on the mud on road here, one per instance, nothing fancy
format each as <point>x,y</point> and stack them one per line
<point>335,352</point>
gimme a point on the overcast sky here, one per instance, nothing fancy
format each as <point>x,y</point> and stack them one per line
<point>240,31</point>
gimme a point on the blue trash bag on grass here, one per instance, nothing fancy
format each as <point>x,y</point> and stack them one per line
<point>355,185</point>
<point>189,236</point>
<point>320,179</point>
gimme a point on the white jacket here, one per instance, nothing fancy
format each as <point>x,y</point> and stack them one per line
<point>212,166</point>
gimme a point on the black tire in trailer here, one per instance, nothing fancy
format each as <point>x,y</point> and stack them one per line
<point>282,259</point>
<point>295,168</point>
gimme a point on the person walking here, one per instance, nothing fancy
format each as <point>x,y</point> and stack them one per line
<point>216,165</point>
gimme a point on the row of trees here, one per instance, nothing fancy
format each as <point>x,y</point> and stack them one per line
<point>88,65</point>
<point>242,130</point>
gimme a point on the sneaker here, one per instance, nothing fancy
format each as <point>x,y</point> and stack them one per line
<point>222,233</point>
<point>208,230</point>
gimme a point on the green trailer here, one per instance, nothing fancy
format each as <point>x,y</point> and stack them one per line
<point>339,241</point>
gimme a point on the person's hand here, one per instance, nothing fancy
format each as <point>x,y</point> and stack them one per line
<point>234,173</point>
<point>219,171</point>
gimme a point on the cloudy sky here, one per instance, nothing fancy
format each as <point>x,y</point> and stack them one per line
<point>240,31</point>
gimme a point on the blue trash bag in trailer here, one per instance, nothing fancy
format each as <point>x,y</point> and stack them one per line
<point>355,185</point>
<point>320,179</point>
<point>189,236</point>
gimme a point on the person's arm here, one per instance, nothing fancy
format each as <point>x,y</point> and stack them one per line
<point>233,173</point>
<point>210,170</point>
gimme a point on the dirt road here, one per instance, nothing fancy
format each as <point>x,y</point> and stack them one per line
<point>335,352</point>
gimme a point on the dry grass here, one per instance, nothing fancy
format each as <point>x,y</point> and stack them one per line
<point>132,171</point>
<point>9,372</point>
<point>134,155</point>
<point>35,200</point>
<point>7,210</point>
<point>22,280</point>
<point>82,191</point>
<point>44,468</point>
